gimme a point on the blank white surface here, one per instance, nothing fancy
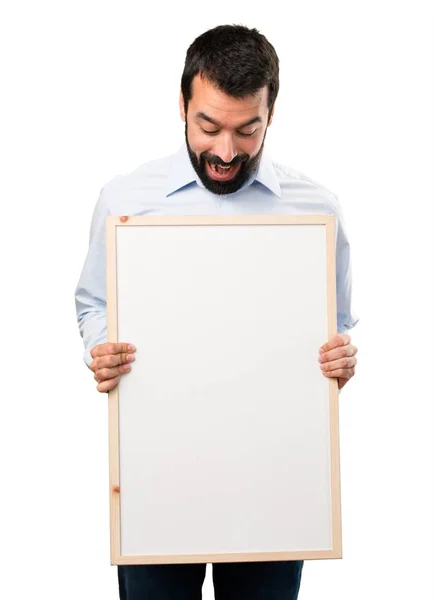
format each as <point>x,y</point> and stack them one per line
<point>224,420</point>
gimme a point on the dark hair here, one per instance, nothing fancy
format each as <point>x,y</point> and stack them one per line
<point>238,60</point>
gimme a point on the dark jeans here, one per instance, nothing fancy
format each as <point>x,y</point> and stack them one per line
<point>232,581</point>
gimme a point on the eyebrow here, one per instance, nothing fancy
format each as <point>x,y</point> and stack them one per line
<point>201,115</point>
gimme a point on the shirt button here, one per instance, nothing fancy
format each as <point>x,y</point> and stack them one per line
<point>224,196</point>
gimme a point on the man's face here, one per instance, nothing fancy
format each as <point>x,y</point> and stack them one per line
<point>224,135</point>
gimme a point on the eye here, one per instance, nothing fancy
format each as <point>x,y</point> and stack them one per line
<point>209,132</point>
<point>246,134</point>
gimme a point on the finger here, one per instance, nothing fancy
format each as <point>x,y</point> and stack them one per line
<point>109,384</point>
<point>112,348</point>
<point>103,374</point>
<point>341,373</point>
<point>111,360</point>
<point>340,352</point>
<point>341,339</point>
<point>341,363</point>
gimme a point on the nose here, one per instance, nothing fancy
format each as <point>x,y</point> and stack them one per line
<point>225,147</point>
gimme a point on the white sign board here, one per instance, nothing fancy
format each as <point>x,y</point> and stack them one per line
<point>224,435</point>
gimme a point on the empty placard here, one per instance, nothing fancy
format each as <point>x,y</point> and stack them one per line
<point>223,427</point>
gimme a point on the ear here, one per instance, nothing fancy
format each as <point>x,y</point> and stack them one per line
<point>182,111</point>
<point>271,115</point>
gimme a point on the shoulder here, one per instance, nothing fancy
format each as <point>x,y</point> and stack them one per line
<point>143,175</point>
<point>294,182</point>
<point>122,193</point>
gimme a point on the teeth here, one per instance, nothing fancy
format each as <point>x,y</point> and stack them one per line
<point>214,167</point>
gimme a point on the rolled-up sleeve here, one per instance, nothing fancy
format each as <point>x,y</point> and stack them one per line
<point>90,293</point>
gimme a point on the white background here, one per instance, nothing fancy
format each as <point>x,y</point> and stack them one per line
<point>90,90</point>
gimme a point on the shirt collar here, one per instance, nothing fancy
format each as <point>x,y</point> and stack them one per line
<point>182,173</point>
<point>266,174</point>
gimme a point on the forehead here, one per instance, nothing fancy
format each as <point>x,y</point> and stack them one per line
<point>207,98</point>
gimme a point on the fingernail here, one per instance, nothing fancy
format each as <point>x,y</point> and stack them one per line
<point>131,348</point>
<point>130,357</point>
<point>321,351</point>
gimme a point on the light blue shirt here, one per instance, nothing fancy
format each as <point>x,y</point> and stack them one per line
<point>170,186</point>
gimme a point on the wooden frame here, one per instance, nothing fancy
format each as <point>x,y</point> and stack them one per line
<point>117,557</point>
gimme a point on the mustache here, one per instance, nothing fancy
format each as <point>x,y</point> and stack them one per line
<point>215,160</point>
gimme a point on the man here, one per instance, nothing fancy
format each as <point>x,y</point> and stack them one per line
<point>228,92</point>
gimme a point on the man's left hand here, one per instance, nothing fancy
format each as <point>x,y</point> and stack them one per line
<point>337,358</point>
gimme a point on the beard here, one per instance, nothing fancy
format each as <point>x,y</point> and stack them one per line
<point>248,166</point>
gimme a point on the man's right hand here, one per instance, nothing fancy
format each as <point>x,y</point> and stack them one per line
<point>110,362</point>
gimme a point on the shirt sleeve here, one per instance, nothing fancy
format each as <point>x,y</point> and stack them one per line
<point>90,293</point>
<point>346,318</point>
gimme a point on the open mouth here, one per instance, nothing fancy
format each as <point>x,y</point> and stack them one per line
<point>222,173</point>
